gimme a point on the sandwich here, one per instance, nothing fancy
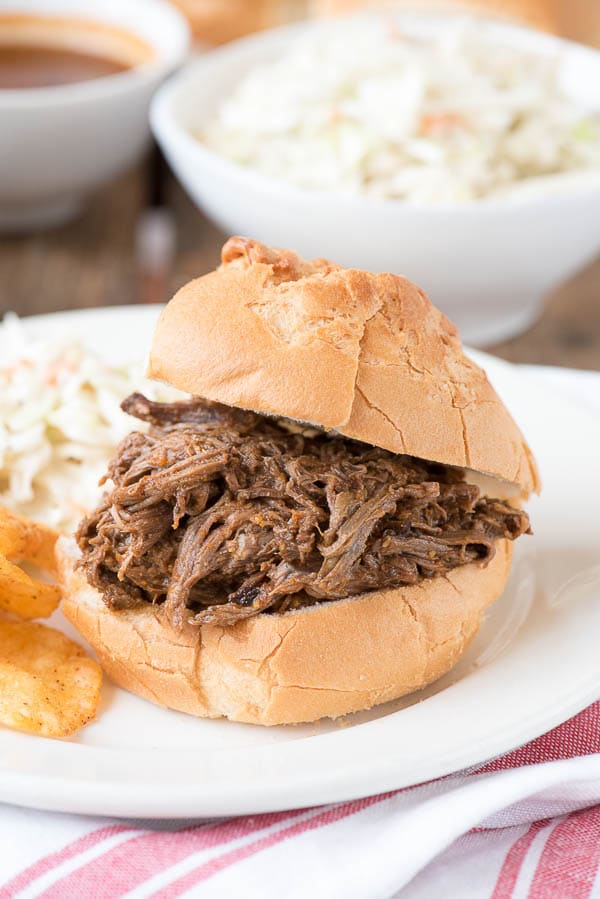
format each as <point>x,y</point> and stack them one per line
<point>320,524</point>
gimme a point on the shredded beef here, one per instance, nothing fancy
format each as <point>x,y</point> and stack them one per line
<point>221,514</point>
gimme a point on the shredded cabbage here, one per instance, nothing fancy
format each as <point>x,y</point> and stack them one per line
<point>377,106</point>
<point>60,422</point>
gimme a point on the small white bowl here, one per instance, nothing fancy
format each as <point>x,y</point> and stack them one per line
<point>58,143</point>
<point>488,264</point>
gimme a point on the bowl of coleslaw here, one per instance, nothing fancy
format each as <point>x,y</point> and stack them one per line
<point>461,152</point>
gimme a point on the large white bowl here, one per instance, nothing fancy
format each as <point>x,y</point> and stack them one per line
<point>58,143</point>
<point>487,264</point>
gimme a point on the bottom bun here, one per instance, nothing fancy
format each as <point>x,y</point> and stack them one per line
<point>323,661</point>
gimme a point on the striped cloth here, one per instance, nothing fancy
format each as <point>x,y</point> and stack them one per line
<point>524,825</point>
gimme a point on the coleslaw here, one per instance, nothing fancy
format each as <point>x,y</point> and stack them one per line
<point>60,422</point>
<point>376,107</point>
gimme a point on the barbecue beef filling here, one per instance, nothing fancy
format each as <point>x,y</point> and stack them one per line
<point>220,514</point>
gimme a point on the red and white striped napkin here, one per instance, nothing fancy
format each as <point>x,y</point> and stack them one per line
<point>525,825</point>
<point>519,826</point>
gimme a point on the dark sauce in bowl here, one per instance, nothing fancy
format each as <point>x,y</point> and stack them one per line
<point>28,66</point>
<point>46,51</point>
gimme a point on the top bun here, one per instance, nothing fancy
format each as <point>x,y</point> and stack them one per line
<point>366,355</point>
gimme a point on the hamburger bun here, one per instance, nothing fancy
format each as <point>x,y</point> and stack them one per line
<point>323,661</point>
<point>368,356</point>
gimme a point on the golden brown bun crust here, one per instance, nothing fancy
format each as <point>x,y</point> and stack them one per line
<point>367,355</point>
<point>324,661</point>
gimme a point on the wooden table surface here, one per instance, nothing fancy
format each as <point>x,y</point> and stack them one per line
<point>94,262</point>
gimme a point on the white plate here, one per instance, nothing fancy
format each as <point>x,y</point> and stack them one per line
<point>534,663</point>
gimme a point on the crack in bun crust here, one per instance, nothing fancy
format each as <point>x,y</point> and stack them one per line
<point>365,354</point>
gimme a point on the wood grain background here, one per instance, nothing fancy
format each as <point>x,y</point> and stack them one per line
<point>94,262</point>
